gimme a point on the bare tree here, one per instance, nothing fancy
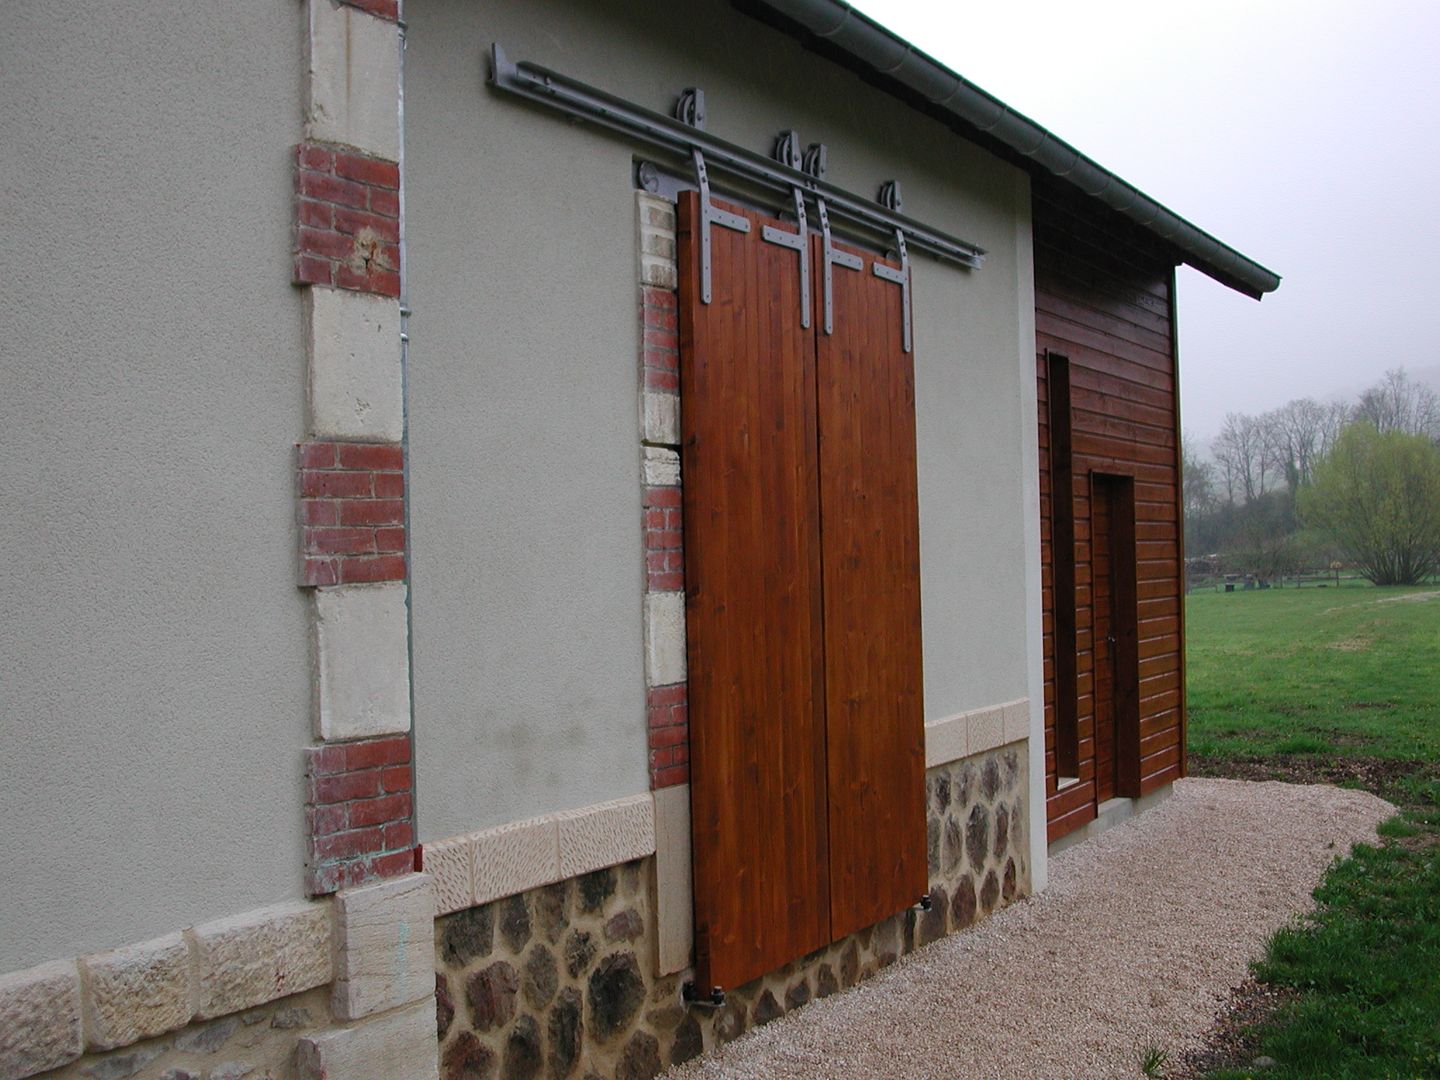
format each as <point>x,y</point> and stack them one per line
<point>1199,480</point>
<point>1243,456</point>
<point>1295,433</point>
<point>1333,420</point>
<point>1399,403</point>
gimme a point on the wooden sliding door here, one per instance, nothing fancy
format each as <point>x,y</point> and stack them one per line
<point>753,614</point>
<point>870,537</point>
<point>802,602</point>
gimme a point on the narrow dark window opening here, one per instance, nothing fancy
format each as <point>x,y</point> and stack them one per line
<point>1062,565</point>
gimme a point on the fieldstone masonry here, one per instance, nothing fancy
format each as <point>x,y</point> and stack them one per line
<point>560,981</point>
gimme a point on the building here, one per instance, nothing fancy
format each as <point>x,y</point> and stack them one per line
<point>355,600</point>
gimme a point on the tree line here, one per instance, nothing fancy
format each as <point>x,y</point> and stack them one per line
<point>1309,485</point>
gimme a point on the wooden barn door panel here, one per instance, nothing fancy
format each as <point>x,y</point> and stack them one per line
<point>1116,638</point>
<point>753,607</point>
<point>871,558</point>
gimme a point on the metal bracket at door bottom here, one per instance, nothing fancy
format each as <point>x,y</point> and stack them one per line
<point>711,214</point>
<point>831,257</point>
<point>798,242</point>
<point>900,277</point>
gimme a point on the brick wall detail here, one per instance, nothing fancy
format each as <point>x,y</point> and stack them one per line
<point>667,708</point>
<point>347,220</point>
<point>383,9</point>
<point>352,513</point>
<point>668,720</point>
<point>661,354</point>
<point>358,813</point>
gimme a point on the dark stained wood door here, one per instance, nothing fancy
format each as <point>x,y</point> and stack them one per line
<point>871,556</point>
<point>759,805</point>
<point>1116,644</point>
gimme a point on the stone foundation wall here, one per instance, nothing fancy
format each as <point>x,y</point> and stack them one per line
<point>560,981</point>
<point>257,1044</point>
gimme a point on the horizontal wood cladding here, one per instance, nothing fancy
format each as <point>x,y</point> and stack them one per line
<point>1103,300</point>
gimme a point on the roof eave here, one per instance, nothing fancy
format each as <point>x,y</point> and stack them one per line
<point>898,64</point>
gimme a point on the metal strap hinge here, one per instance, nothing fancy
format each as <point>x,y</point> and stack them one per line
<point>831,257</point>
<point>900,277</point>
<point>710,214</point>
<point>798,241</point>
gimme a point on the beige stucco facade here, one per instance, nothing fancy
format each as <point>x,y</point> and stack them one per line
<point>523,384</point>
<point>156,683</point>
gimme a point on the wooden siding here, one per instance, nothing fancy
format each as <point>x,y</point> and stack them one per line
<point>1104,300</point>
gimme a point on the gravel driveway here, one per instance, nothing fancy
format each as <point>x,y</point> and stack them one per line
<point>1136,943</point>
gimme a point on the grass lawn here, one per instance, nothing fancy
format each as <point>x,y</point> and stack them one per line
<point>1353,670</point>
<point>1341,685</point>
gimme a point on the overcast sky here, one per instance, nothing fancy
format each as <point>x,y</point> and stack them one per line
<point>1304,134</point>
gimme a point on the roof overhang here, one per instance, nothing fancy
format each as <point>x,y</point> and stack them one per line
<point>834,28</point>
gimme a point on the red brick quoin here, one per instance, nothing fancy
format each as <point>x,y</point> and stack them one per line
<point>384,9</point>
<point>667,709</point>
<point>352,513</point>
<point>669,723</point>
<point>347,220</point>
<point>358,811</point>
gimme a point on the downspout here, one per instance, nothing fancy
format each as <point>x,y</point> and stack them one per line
<point>405,434</point>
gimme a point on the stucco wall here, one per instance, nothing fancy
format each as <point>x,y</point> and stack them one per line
<point>155,693</point>
<point>523,382</point>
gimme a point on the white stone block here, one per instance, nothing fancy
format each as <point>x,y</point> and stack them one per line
<point>662,467</point>
<point>947,740</point>
<point>247,960</point>
<point>664,638</point>
<point>660,418</point>
<point>987,730</point>
<point>675,918</point>
<point>39,1019</point>
<point>451,866</point>
<point>659,272</point>
<point>606,834</point>
<point>362,661</point>
<point>1017,720</point>
<point>397,1046</point>
<point>136,992</point>
<point>515,857</point>
<point>384,946</point>
<point>353,81</point>
<point>352,341</point>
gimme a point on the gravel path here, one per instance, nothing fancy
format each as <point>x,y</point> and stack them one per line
<point>1136,943</point>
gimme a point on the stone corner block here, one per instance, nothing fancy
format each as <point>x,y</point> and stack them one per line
<point>247,960</point>
<point>1017,720</point>
<point>946,740</point>
<point>397,1046</point>
<point>39,1018</point>
<point>384,946</point>
<point>136,992</point>
<point>661,467</point>
<point>362,657</point>
<point>664,638</point>
<point>451,866</point>
<point>674,903</point>
<point>354,389</point>
<point>660,419</point>
<point>606,834</point>
<point>353,79</point>
<point>515,857</point>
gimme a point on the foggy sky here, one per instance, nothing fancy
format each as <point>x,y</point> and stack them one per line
<point>1304,134</point>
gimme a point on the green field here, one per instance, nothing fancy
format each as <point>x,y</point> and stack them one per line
<point>1354,671</point>
<point>1338,685</point>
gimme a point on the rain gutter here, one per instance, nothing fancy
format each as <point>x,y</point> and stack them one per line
<point>835,28</point>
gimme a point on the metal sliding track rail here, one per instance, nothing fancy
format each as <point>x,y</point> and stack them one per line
<point>684,139</point>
